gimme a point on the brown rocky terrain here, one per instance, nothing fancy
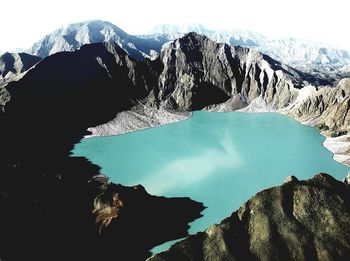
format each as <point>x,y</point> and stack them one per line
<point>299,220</point>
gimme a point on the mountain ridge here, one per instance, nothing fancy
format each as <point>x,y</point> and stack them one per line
<point>316,58</point>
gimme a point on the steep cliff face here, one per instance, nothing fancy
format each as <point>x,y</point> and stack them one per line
<point>327,108</point>
<point>300,220</point>
<point>195,72</point>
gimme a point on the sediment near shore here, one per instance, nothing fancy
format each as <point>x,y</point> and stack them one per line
<point>137,118</point>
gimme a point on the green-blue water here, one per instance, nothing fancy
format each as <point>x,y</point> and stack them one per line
<point>220,159</point>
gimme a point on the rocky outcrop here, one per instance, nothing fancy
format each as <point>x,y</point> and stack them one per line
<point>195,72</point>
<point>327,108</point>
<point>13,66</point>
<point>300,220</point>
<point>106,210</point>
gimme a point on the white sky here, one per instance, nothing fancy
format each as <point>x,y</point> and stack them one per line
<point>25,21</point>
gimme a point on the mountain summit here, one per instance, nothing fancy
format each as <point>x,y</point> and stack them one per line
<point>305,55</point>
<point>73,36</point>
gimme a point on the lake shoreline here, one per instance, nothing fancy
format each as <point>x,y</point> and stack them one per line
<point>234,146</point>
<point>142,117</point>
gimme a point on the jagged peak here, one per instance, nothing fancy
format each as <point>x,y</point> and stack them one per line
<point>195,40</point>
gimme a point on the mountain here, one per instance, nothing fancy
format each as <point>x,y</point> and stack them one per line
<point>319,59</point>
<point>195,72</point>
<point>12,65</point>
<point>67,200</point>
<point>98,81</point>
<point>50,201</point>
<point>304,55</point>
<point>73,36</point>
<point>300,220</point>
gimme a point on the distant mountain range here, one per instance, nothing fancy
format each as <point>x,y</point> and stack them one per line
<point>291,51</point>
<point>73,36</point>
<point>321,60</point>
<point>304,55</point>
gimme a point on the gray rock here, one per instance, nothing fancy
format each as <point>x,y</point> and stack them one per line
<point>13,65</point>
<point>197,72</point>
<point>291,179</point>
<point>327,108</point>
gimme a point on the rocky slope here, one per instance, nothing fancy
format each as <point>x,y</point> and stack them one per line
<point>327,108</point>
<point>195,72</point>
<point>13,65</point>
<point>300,220</point>
<point>73,36</point>
<point>137,118</point>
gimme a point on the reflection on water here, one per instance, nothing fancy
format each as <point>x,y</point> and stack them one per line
<point>220,159</point>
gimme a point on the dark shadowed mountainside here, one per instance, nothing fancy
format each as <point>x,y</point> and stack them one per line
<point>55,207</point>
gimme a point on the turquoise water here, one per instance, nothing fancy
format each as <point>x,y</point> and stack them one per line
<point>220,159</point>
